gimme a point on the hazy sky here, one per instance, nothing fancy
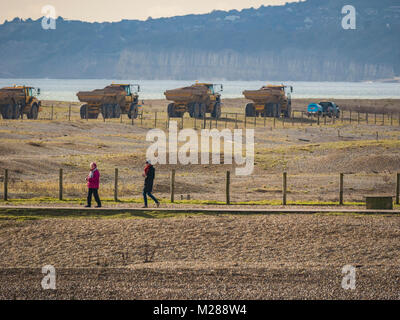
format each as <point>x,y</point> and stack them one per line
<point>115,10</point>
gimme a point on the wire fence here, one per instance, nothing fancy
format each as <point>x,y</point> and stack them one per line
<point>232,120</point>
<point>222,187</point>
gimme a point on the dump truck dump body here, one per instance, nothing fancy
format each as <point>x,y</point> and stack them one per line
<point>198,99</point>
<point>111,102</point>
<point>19,100</point>
<point>101,96</point>
<point>269,101</point>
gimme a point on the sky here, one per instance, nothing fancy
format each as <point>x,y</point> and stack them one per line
<point>116,10</point>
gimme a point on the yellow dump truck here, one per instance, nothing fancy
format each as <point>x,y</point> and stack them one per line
<point>111,102</point>
<point>19,100</point>
<point>197,100</point>
<point>269,101</point>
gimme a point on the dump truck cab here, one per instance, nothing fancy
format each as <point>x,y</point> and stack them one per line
<point>269,101</point>
<point>19,100</point>
<point>197,100</point>
<point>131,90</point>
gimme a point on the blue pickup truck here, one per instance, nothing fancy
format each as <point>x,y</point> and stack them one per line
<point>324,108</point>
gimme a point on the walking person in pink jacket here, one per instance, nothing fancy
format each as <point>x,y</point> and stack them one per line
<point>93,183</point>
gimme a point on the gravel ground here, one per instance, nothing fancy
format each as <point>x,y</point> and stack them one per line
<point>226,257</point>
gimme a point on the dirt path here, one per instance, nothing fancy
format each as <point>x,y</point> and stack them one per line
<point>225,257</point>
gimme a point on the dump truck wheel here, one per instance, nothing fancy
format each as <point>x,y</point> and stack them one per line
<point>288,112</point>
<point>269,109</point>
<point>250,110</point>
<point>93,115</point>
<point>104,111</point>
<point>110,111</point>
<point>133,111</point>
<point>16,111</point>
<point>171,110</point>
<point>202,110</point>
<point>33,114</point>
<point>216,114</point>
<point>195,110</point>
<point>192,109</point>
<point>277,110</point>
<point>116,111</point>
<point>83,111</point>
<point>107,111</point>
<point>8,111</point>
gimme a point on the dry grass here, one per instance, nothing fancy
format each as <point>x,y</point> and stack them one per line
<point>313,156</point>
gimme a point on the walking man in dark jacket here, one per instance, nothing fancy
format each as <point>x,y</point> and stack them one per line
<point>149,175</point>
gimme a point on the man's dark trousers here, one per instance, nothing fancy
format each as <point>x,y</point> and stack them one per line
<point>94,192</point>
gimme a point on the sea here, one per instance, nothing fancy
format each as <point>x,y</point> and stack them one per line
<point>66,89</point>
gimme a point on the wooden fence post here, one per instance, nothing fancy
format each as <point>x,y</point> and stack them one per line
<point>228,182</point>
<point>116,185</point>
<point>69,113</point>
<point>155,119</point>
<point>284,188</point>
<point>60,188</point>
<point>172,185</point>
<point>52,111</point>
<point>236,121</point>
<point>341,189</point>
<point>366,116</point>
<point>5,185</point>
<point>398,189</point>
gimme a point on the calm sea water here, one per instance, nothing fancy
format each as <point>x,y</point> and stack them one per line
<point>66,89</point>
